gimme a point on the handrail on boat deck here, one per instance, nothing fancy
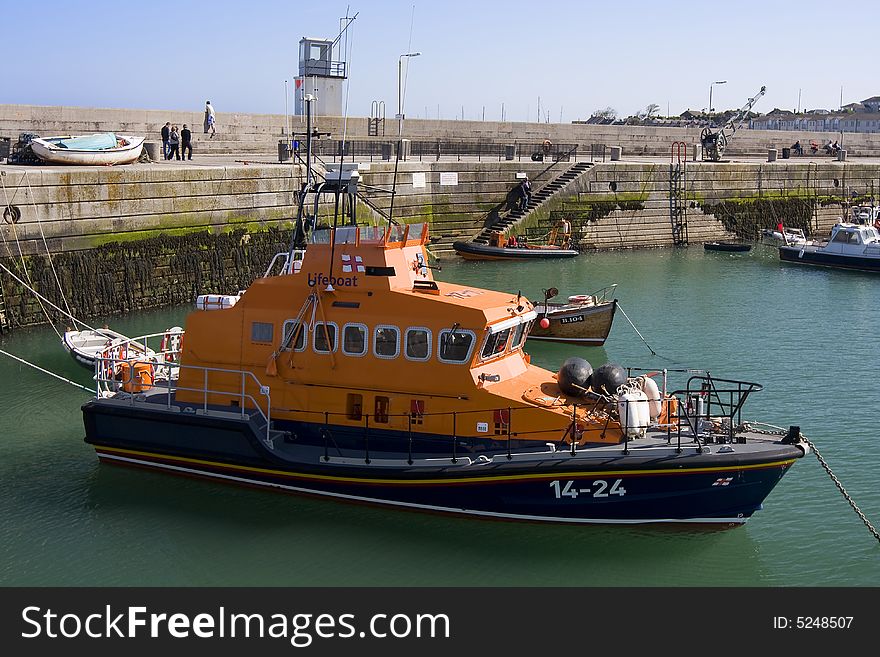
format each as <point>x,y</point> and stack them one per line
<point>602,295</point>
<point>105,386</point>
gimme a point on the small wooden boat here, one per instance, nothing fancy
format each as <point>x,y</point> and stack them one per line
<point>735,247</point>
<point>87,345</point>
<point>97,149</point>
<point>585,319</point>
<point>477,251</point>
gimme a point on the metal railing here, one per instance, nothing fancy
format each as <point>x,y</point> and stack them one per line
<point>113,375</point>
<point>423,149</point>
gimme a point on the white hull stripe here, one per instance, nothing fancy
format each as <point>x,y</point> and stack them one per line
<point>411,505</point>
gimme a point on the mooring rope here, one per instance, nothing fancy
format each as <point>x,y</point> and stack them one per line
<point>46,246</point>
<point>653,353</point>
<point>41,298</point>
<point>45,371</point>
<point>840,487</point>
<point>24,265</point>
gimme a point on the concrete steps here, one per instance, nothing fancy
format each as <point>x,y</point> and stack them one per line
<point>538,199</point>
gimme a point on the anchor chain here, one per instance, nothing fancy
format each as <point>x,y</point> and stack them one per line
<point>840,487</point>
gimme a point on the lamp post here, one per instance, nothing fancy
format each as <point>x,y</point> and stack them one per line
<point>400,90</point>
<point>712,109</point>
<point>399,127</point>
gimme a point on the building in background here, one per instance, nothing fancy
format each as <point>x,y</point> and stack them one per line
<point>855,117</point>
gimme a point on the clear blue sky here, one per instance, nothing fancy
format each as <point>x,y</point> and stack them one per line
<point>578,56</point>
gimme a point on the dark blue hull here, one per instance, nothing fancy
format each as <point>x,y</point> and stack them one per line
<point>595,486</point>
<point>811,256</point>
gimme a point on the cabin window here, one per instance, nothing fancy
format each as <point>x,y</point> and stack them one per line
<point>294,335</point>
<point>495,344</point>
<point>386,341</point>
<point>354,406</point>
<point>418,344</point>
<point>455,346</point>
<point>354,339</point>
<point>262,332</point>
<point>325,337</point>
<point>519,335</point>
<point>380,413</point>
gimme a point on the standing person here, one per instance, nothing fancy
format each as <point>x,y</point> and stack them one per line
<point>173,143</point>
<point>525,191</point>
<point>210,120</point>
<point>186,143</point>
<point>166,131</point>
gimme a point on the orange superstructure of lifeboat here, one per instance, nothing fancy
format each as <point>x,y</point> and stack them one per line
<point>361,328</point>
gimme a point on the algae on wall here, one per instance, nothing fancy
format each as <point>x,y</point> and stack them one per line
<point>119,277</point>
<point>746,217</point>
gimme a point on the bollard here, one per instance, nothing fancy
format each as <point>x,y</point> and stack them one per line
<point>283,150</point>
<point>616,152</point>
<point>696,152</point>
<point>771,154</point>
<point>152,149</point>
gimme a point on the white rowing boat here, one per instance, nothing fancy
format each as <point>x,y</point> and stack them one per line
<point>87,345</point>
<point>96,149</point>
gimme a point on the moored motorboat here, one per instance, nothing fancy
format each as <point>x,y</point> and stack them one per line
<point>320,381</point>
<point>354,375</point>
<point>584,319</point>
<point>104,148</point>
<point>850,246</point>
<point>499,247</point>
<point>477,251</point>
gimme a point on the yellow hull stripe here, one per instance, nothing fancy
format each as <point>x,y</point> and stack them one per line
<point>462,480</point>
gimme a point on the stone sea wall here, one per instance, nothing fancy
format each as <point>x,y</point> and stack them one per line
<point>145,236</point>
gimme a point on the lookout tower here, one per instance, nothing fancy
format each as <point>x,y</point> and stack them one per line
<point>319,76</point>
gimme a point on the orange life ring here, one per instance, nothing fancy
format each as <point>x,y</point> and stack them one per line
<point>580,298</point>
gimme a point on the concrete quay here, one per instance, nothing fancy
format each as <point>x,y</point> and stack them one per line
<point>248,133</point>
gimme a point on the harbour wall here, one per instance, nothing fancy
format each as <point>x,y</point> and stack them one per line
<point>148,235</point>
<point>248,133</point>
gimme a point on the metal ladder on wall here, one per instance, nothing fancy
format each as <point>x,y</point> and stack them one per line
<point>376,121</point>
<point>678,193</point>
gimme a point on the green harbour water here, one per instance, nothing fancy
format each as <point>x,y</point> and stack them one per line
<point>810,336</point>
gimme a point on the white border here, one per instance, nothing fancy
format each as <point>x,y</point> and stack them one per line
<point>315,339</point>
<point>396,343</point>
<point>430,343</point>
<point>305,335</point>
<point>470,353</point>
<point>366,334</point>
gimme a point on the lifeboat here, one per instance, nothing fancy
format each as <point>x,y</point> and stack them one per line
<point>354,375</point>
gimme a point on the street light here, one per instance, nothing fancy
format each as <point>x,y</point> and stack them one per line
<point>399,90</point>
<point>712,109</point>
<point>399,126</point>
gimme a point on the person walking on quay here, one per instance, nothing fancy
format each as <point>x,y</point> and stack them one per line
<point>210,119</point>
<point>186,143</point>
<point>166,133</point>
<point>173,143</point>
